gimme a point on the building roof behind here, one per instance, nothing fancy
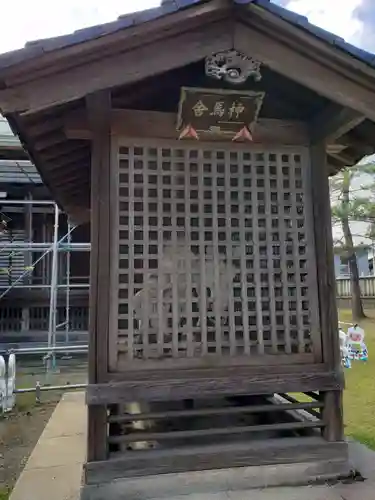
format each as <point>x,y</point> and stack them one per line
<point>18,172</point>
<point>7,137</point>
<point>39,47</point>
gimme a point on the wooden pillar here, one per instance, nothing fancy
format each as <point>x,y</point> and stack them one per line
<point>332,413</point>
<point>25,319</point>
<point>98,109</point>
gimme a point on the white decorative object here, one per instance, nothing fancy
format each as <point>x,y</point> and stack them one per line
<point>356,343</point>
<point>7,383</point>
<point>343,338</point>
<point>11,383</point>
<point>232,67</point>
<point>2,383</point>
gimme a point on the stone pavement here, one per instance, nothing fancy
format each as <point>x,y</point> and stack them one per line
<point>297,493</point>
<point>54,469</point>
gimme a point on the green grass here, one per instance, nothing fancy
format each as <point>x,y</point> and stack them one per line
<point>4,493</point>
<point>359,395</point>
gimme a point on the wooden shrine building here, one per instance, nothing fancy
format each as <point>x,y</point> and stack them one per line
<point>198,138</point>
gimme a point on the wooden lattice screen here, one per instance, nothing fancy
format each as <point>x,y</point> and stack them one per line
<point>213,257</point>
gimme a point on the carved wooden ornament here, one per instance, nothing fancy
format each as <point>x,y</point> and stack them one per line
<point>232,67</point>
<point>243,135</point>
<point>189,132</point>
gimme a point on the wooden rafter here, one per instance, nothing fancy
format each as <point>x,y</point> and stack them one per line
<point>65,160</point>
<point>75,172</point>
<point>333,122</point>
<point>56,153</point>
<point>44,126</point>
<point>344,159</point>
<point>335,148</point>
<point>49,140</point>
<point>163,125</point>
<point>284,59</point>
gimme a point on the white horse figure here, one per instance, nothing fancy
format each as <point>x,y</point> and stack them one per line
<point>176,264</point>
<point>11,383</point>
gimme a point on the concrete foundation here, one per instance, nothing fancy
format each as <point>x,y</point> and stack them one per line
<point>54,470</point>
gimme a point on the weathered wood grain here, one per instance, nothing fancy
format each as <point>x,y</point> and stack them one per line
<point>155,124</point>
<point>257,42</point>
<point>98,109</point>
<point>179,387</point>
<point>288,450</point>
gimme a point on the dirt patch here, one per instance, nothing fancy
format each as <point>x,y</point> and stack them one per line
<point>19,433</point>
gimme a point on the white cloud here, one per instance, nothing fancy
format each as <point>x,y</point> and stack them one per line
<point>334,16</point>
<point>25,20</point>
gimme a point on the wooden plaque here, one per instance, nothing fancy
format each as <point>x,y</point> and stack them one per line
<point>218,111</point>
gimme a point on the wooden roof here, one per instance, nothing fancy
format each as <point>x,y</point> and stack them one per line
<point>327,83</point>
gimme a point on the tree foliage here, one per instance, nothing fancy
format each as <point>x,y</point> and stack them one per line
<point>353,200</point>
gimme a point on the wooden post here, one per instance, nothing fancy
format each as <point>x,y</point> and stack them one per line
<point>25,319</point>
<point>333,416</point>
<point>332,412</point>
<point>98,109</point>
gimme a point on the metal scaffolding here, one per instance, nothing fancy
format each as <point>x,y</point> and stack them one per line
<point>63,244</point>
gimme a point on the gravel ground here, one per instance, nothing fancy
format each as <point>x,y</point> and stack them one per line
<point>19,433</point>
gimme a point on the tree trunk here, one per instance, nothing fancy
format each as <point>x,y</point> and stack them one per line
<point>357,307</point>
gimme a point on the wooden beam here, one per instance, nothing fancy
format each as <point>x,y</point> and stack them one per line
<point>120,69</point>
<point>325,459</point>
<point>98,106</point>
<point>335,149</point>
<point>154,124</point>
<point>333,122</point>
<point>332,414</point>
<point>283,58</point>
<point>61,152</point>
<point>66,160</point>
<point>45,126</point>
<point>324,256</point>
<point>365,144</point>
<point>154,389</point>
<point>79,171</point>
<point>345,160</point>
<point>49,140</point>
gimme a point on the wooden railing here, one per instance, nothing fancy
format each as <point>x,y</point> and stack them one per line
<point>367,284</point>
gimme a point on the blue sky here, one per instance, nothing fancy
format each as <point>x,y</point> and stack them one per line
<point>25,20</point>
